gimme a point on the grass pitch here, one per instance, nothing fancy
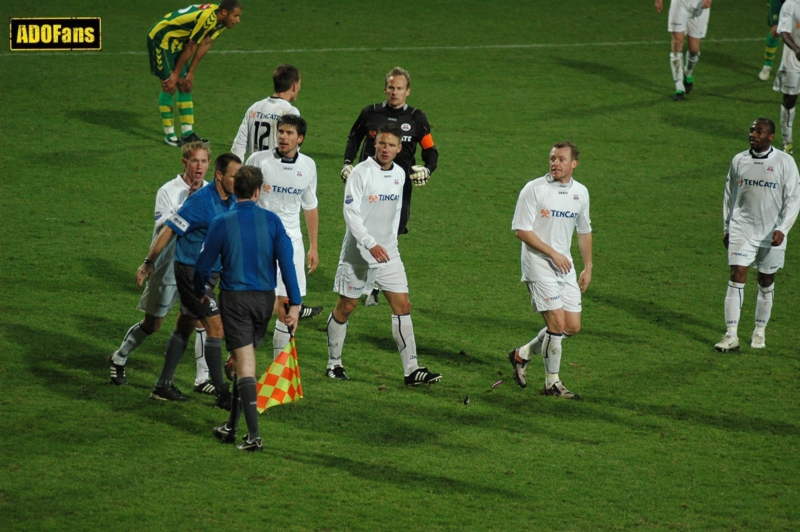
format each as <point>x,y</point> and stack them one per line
<point>670,435</point>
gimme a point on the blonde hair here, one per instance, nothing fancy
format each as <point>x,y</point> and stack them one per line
<point>398,71</point>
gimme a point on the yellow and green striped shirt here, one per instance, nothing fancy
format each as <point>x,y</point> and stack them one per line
<point>195,23</point>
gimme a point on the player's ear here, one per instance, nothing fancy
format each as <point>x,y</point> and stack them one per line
<point>300,139</point>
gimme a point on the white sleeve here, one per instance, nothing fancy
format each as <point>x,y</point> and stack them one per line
<point>309,196</point>
<point>525,212</point>
<point>791,199</point>
<point>353,196</point>
<point>584,222</point>
<point>239,147</point>
<point>164,208</point>
<point>785,19</point>
<point>729,198</point>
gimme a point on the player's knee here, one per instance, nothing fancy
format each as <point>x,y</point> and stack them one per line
<point>403,308</point>
<point>213,326</point>
<point>789,101</point>
<point>572,329</point>
<point>677,42</point>
<point>765,280</point>
<point>151,324</point>
<point>739,274</point>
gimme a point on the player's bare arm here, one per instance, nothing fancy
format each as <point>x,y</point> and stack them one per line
<point>202,50</point>
<point>380,253</point>
<point>312,224</point>
<point>585,246</point>
<point>706,4</point>
<point>532,239</point>
<point>659,6</point>
<point>146,269</point>
<point>787,38</point>
<point>169,84</point>
<point>725,240</point>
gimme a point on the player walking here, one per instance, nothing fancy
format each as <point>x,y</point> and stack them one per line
<point>771,46</point>
<point>549,210</point>
<point>762,199</point>
<point>176,44</point>
<point>259,128</point>
<point>290,184</point>
<point>160,294</point>
<point>685,17</point>
<point>787,80</point>
<point>370,257</point>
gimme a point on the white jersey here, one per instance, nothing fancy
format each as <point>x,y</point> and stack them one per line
<point>789,22</point>
<point>372,201</point>
<point>553,211</point>
<point>259,128</point>
<point>289,185</point>
<point>169,199</point>
<point>762,194</point>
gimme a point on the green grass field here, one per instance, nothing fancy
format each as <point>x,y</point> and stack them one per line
<point>670,435</point>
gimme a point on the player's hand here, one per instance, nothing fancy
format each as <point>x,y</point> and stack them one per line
<point>777,238</point>
<point>419,175</point>
<point>346,169</point>
<point>143,273</point>
<point>168,85</point>
<point>185,84</point>
<point>706,4</point>
<point>292,317</point>
<point>659,6</point>
<point>726,240</point>
<point>205,299</point>
<point>312,260</point>
<point>380,253</point>
<point>197,184</point>
<point>584,280</point>
<point>562,263</point>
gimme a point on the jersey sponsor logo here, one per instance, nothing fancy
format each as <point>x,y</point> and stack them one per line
<point>547,213</point>
<point>552,298</point>
<point>757,183</point>
<point>182,224</point>
<point>355,288</point>
<point>563,192</point>
<point>286,190</point>
<point>266,189</point>
<point>348,199</point>
<point>373,134</point>
<point>264,116</point>
<point>738,254</point>
<point>387,197</point>
<point>406,127</point>
<point>373,199</point>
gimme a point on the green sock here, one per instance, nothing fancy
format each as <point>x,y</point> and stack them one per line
<point>167,118</point>
<point>770,49</point>
<point>186,110</point>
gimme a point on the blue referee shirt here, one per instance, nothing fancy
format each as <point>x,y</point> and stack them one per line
<point>192,220</point>
<point>250,240</point>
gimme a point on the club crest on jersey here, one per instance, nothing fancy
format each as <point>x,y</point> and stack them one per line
<point>299,173</point>
<point>406,127</point>
<point>576,197</point>
<point>770,169</point>
<point>396,182</point>
<point>348,199</point>
<point>266,189</point>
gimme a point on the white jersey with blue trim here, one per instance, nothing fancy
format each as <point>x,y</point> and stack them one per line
<point>553,211</point>
<point>289,185</point>
<point>259,128</point>
<point>372,201</point>
<point>762,194</point>
<point>169,199</point>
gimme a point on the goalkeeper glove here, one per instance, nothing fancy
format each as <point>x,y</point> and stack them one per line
<point>420,175</point>
<point>346,169</point>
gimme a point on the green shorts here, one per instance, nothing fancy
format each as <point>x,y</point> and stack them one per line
<point>162,62</point>
<point>774,12</point>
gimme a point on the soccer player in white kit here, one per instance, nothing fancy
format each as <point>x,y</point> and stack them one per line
<point>290,184</point>
<point>373,198</point>
<point>549,210</point>
<point>685,17</point>
<point>787,80</point>
<point>762,199</point>
<point>259,128</point>
<point>161,291</point>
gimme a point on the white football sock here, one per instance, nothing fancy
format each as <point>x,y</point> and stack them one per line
<point>691,62</point>
<point>733,306</point>
<point>337,332</point>
<point>787,121</point>
<point>676,65</point>
<point>764,305</point>
<point>133,339</point>
<point>280,338</point>
<point>534,347</point>
<point>551,352</point>
<point>550,379</point>
<point>403,332</point>
<point>200,356</point>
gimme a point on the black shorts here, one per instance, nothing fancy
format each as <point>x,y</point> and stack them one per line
<point>190,304</point>
<point>245,315</point>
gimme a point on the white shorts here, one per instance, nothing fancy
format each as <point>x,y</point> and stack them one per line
<point>688,16</point>
<point>299,268</point>
<point>158,299</point>
<point>787,82</point>
<point>352,282</point>
<point>767,260</point>
<point>552,295</point>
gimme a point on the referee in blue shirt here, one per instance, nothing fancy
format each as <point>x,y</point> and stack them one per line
<point>249,240</point>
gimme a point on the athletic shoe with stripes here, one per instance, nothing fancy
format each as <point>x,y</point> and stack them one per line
<point>309,312</point>
<point>206,387</point>
<point>422,376</point>
<point>224,434</point>
<point>117,372</point>
<point>520,368</point>
<point>337,372</point>
<point>558,390</point>
<point>251,446</point>
<point>168,392</point>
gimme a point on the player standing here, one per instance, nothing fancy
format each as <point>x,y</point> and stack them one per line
<point>176,44</point>
<point>259,128</point>
<point>370,257</point>
<point>787,80</point>
<point>762,199</point>
<point>160,294</point>
<point>549,210</point>
<point>771,46</point>
<point>249,240</point>
<point>190,223</point>
<point>290,184</point>
<point>685,17</point>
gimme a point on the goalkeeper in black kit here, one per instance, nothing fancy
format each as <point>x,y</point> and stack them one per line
<point>416,130</point>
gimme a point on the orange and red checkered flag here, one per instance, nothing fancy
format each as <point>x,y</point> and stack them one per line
<point>280,384</point>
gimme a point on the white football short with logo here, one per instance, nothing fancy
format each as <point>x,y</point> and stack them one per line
<point>554,294</point>
<point>353,282</point>
<point>688,16</point>
<point>767,260</point>
<point>787,82</point>
<point>299,268</point>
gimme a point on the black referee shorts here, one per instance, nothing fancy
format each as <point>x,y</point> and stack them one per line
<point>190,304</point>
<point>245,315</point>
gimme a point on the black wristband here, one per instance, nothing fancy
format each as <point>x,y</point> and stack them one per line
<point>148,261</point>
